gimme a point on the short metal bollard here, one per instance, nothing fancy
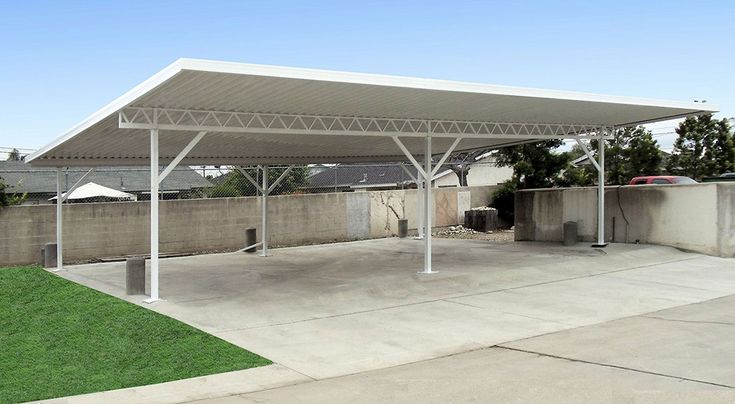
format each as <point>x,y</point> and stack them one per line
<point>49,255</point>
<point>135,276</point>
<point>402,228</point>
<point>250,240</point>
<point>570,233</point>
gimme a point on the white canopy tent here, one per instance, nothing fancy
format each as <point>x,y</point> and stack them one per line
<point>199,112</point>
<point>91,190</point>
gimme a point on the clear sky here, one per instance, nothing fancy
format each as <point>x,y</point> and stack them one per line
<point>62,60</point>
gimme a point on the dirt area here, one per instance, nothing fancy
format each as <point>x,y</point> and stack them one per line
<point>460,232</point>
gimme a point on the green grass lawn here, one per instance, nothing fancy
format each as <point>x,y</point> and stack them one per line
<point>58,338</point>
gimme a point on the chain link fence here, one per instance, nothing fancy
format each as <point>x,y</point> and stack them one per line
<point>193,182</point>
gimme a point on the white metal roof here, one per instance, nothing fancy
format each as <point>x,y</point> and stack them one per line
<point>236,92</point>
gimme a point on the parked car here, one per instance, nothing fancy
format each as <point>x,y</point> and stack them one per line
<point>727,175</point>
<point>661,179</point>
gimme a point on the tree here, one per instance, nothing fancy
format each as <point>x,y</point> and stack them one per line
<point>642,155</point>
<point>10,199</point>
<point>631,152</point>
<point>535,165</point>
<point>14,155</point>
<point>704,147</point>
<point>3,196</point>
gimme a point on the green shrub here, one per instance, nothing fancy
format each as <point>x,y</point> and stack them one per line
<point>504,200</point>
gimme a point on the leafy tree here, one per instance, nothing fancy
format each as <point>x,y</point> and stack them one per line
<point>535,165</point>
<point>10,199</point>
<point>235,184</point>
<point>631,152</point>
<point>14,155</point>
<point>704,147</point>
<point>4,200</point>
<point>642,155</point>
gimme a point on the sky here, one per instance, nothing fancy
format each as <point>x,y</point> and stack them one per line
<point>60,61</point>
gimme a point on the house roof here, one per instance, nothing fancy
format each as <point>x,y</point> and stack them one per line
<point>358,175</point>
<point>281,115</point>
<point>21,178</point>
<point>366,176</point>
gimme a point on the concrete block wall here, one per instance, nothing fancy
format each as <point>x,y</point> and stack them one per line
<point>100,230</point>
<point>692,217</point>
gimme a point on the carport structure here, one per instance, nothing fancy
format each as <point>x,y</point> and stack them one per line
<point>199,112</point>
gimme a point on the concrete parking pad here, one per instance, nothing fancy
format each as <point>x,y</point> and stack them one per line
<point>691,342</point>
<point>332,310</point>
<point>493,376</point>
<point>197,388</point>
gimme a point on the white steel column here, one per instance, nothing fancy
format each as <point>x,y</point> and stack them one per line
<point>419,207</point>
<point>601,190</point>
<point>59,223</point>
<point>428,208</point>
<point>154,217</point>
<point>264,206</point>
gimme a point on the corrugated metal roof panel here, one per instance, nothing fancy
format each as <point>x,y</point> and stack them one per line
<point>224,86</point>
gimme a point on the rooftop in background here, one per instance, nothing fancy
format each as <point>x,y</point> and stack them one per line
<point>24,178</point>
<point>202,95</point>
<point>355,176</point>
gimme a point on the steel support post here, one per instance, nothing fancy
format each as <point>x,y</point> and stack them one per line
<point>427,206</point>
<point>601,190</point>
<point>59,223</point>
<point>419,207</point>
<point>264,215</point>
<point>154,217</point>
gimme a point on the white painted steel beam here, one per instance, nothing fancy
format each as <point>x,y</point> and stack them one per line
<point>75,186</point>
<point>410,157</point>
<point>410,174</point>
<point>601,193</point>
<point>427,208</point>
<point>247,176</point>
<point>59,223</point>
<point>154,218</point>
<point>264,214</point>
<point>180,156</point>
<point>280,178</point>
<point>589,155</point>
<point>444,157</point>
<point>264,123</point>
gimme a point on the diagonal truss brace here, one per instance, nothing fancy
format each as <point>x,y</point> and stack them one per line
<point>68,192</point>
<point>180,156</point>
<point>263,123</point>
<point>247,176</point>
<point>421,172</point>
<point>272,186</point>
<point>589,155</point>
<point>410,174</point>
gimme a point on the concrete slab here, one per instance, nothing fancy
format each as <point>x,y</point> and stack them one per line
<point>595,299</point>
<point>337,309</point>
<point>493,376</point>
<point>197,388</point>
<point>377,339</point>
<point>693,342</point>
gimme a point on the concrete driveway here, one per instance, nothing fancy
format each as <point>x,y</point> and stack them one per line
<point>333,310</point>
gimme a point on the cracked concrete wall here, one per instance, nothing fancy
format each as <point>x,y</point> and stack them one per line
<point>100,230</point>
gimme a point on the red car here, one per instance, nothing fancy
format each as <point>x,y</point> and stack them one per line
<point>661,179</point>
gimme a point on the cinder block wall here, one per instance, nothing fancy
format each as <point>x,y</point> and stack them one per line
<point>692,217</point>
<point>100,230</point>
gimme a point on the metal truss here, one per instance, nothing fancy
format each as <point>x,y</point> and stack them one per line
<point>256,122</point>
